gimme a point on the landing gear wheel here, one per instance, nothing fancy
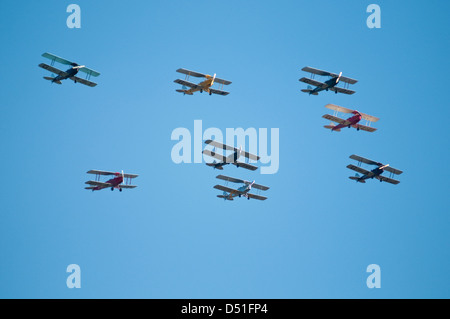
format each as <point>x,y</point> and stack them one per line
<point>112,188</point>
<point>120,189</point>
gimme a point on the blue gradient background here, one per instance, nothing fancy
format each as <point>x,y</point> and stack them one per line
<point>172,237</point>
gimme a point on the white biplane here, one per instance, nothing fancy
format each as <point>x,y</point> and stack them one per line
<point>230,193</point>
<point>205,85</point>
<point>230,159</point>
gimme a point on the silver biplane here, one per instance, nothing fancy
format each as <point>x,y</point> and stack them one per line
<point>189,88</point>
<point>230,193</point>
<point>330,84</point>
<point>230,159</point>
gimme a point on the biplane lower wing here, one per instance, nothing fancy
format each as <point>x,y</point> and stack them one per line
<point>53,69</point>
<point>364,128</point>
<point>245,165</point>
<point>341,90</point>
<point>98,184</point>
<point>358,169</point>
<point>311,82</point>
<point>188,84</point>
<point>227,189</point>
<point>388,180</point>
<point>218,92</point>
<point>127,186</point>
<point>83,81</point>
<point>336,119</point>
<point>258,197</point>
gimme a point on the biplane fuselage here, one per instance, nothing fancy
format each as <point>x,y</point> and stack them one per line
<point>326,85</point>
<point>352,120</point>
<point>241,191</point>
<point>203,86</point>
<point>70,72</point>
<point>115,183</point>
<point>373,173</point>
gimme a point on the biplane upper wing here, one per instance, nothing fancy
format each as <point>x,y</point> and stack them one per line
<point>335,119</point>
<point>312,82</point>
<point>358,169</point>
<point>130,175</point>
<point>97,183</point>
<point>341,90</point>
<point>219,92</point>
<point>89,71</point>
<point>187,83</point>
<point>364,160</point>
<point>245,165</point>
<point>338,108</point>
<point>222,81</point>
<point>231,148</point>
<point>83,81</point>
<point>227,189</point>
<point>97,172</point>
<point>56,58</point>
<point>221,158</point>
<point>365,128</point>
<point>191,73</point>
<point>393,170</point>
<point>53,69</point>
<point>387,179</point>
<point>258,197</point>
<point>326,73</point>
<point>369,117</point>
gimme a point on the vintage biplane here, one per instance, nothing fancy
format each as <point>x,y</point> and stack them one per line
<point>115,182</point>
<point>230,193</point>
<point>205,85</point>
<point>374,173</point>
<point>58,75</point>
<point>230,159</point>
<point>330,84</point>
<point>351,121</point>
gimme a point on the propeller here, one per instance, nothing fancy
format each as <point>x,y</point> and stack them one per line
<point>338,78</point>
<point>214,77</point>
<point>250,185</point>
<point>78,67</point>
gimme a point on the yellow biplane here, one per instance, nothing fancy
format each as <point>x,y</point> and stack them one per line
<point>202,86</point>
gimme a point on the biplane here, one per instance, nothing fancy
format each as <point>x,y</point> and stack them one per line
<point>119,181</point>
<point>230,159</point>
<point>205,85</point>
<point>230,193</point>
<point>351,121</point>
<point>58,75</point>
<point>375,173</point>
<point>330,84</point>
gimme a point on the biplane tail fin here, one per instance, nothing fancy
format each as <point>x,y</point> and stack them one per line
<point>310,90</point>
<point>52,79</point>
<point>356,178</point>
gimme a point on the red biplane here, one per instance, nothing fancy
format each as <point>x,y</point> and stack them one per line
<point>115,182</point>
<point>351,121</point>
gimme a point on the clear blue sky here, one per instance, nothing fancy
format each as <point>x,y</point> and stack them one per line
<point>171,237</point>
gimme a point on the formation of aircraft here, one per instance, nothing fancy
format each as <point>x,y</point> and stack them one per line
<point>230,159</point>
<point>374,173</point>
<point>349,122</point>
<point>116,182</point>
<point>121,180</point>
<point>330,84</point>
<point>205,85</point>
<point>244,190</point>
<point>69,73</point>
